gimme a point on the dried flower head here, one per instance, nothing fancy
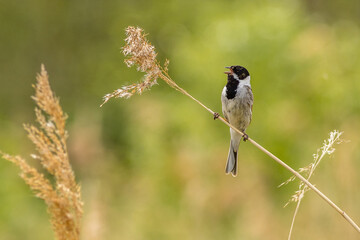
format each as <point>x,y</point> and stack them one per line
<point>63,198</point>
<point>142,54</point>
<point>139,50</point>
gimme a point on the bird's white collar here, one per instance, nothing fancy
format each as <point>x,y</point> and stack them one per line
<point>243,82</point>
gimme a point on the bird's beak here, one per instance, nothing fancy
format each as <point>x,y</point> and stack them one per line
<point>228,72</point>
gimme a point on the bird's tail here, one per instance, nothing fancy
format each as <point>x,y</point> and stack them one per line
<point>231,165</point>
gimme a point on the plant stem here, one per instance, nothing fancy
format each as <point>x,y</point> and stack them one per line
<point>293,219</point>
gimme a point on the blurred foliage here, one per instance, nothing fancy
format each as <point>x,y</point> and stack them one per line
<point>152,167</point>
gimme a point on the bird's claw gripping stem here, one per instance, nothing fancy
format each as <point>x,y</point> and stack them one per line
<point>216,115</point>
<point>245,137</point>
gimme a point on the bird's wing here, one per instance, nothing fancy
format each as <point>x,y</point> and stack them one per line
<point>250,99</point>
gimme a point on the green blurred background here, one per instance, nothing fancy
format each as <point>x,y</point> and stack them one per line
<point>152,167</point>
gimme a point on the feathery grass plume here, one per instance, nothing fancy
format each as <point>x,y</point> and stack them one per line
<point>63,197</point>
<point>142,54</point>
<point>327,149</point>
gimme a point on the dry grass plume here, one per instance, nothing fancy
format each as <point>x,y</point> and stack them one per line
<point>62,197</point>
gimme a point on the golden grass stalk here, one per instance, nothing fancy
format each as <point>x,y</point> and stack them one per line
<point>62,197</point>
<point>327,149</point>
<point>142,54</point>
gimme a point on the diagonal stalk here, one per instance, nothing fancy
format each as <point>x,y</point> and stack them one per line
<point>170,82</point>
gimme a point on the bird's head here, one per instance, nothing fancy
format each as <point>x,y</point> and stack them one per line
<point>238,72</point>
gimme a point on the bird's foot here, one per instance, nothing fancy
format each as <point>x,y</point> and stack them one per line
<point>245,137</point>
<point>216,115</point>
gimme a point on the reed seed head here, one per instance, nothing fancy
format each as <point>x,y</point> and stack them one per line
<point>139,53</point>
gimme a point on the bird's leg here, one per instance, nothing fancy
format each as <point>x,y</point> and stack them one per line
<point>216,115</point>
<point>245,137</point>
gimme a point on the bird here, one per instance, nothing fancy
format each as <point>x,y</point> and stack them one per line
<point>237,102</point>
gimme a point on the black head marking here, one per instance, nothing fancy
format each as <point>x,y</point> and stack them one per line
<point>240,71</point>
